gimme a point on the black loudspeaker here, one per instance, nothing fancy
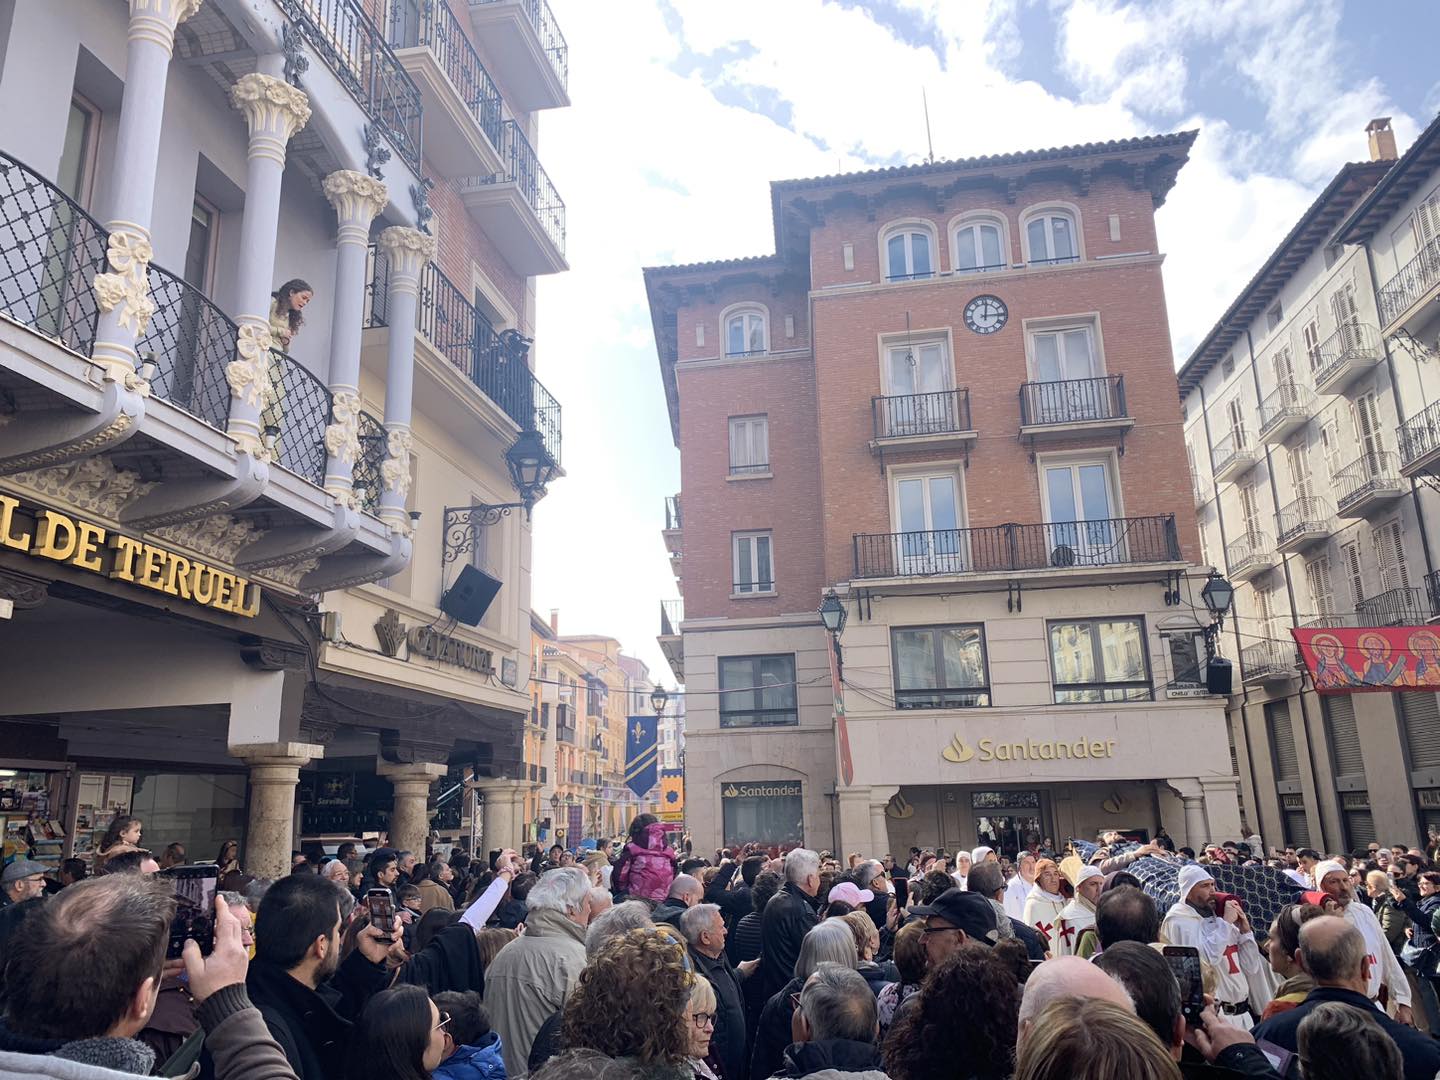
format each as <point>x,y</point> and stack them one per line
<point>1218,676</point>
<point>469,598</point>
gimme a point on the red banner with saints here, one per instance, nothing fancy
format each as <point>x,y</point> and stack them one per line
<point>1345,660</point>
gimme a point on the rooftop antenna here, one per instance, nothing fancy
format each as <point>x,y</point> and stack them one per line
<point>929,142</point>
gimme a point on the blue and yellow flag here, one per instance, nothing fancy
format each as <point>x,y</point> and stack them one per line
<point>642,753</point>
<point>672,795</point>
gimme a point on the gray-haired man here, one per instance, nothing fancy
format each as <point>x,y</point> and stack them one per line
<point>835,1026</point>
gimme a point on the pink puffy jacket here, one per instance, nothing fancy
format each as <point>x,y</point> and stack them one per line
<point>647,872</point>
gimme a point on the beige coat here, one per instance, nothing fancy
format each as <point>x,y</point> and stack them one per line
<point>529,980</point>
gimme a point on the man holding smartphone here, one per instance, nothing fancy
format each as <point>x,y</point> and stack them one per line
<point>1242,987</point>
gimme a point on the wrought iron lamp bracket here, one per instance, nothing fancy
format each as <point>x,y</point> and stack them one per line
<point>463,525</point>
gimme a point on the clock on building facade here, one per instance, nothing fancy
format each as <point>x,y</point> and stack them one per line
<point>986,314</point>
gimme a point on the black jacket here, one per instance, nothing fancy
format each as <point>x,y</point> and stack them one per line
<point>788,917</point>
<point>669,911</point>
<point>877,975</point>
<point>1034,944</point>
<point>734,903</point>
<point>1420,1052</point>
<point>842,1055</point>
<point>1232,1063</point>
<point>743,943</point>
<point>772,1032</point>
<point>728,1043</point>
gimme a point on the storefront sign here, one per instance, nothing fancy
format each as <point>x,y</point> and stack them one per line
<point>1343,660</point>
<point>86,546</point>
<point>426,641</point>
<point>770,789</point>
<point>959,752</point>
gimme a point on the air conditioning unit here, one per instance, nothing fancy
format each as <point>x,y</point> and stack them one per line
<point>1063,555</point>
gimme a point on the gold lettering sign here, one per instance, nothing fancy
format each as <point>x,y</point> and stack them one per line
<point>87,546</point>
<point>424,641</point>
<point>987,750</point>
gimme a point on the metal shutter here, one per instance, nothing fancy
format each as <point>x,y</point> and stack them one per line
<point>1360,828</point>
<point>1282,740</point>
<point>1297,832</point>
<point>1420,716</point>
<point>1344,735</point>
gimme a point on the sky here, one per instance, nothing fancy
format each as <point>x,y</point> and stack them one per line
<point>684,111</point>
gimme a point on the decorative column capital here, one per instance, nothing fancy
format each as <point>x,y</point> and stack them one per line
<point>357,199</point>
<point>281,757</point>
<point>155,20</point>
<point>126,288</point>
<point>273,109</point>
<point>409,250</point>
<point>342,436</point>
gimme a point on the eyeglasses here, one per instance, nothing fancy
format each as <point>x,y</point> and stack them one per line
<point>444,1022</point>
<point>939,929</point>
<point>704,1020</point>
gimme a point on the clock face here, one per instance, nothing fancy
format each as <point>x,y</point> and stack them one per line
<point>986,314</point>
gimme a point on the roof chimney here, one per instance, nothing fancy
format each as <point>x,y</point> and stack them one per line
<point>1382,139</point>
<point>555,621</point>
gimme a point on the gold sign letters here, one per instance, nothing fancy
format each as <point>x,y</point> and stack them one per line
<point>959,752</point>
<point>91,547</point>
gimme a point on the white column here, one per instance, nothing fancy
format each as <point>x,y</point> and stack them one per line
<point>274,772</point>
<point>408,251</point>
<point>410,817</point>
<point>502,817</point>
<point>357,198</point>
<point>123,292</point>
<point>855,829</point>
<point>879,825</point>
<point>1192,798</point>
<point>274,111</point>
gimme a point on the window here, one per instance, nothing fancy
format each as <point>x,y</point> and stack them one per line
<point>768,812</point>
<point>200,254</point>
<point>909,254</point>
<point>927,509</point>
<point>1390,556</point>
<point>1365,413</point>
<point>1322,593</point>
<point>979,245</point>
<point>1187,657</point>
<point>745,333</point>
<point>1299,457</point>
<point>1283,367</point>
<point>76,173</point>
<point>1081,526</point>
<point>754,567</point>
<point>1067,353</point>
<point>1347,315</point>
<point>757,691</point>
<point>749,445</point>
<point>940,667</point>
<point>1274,317</point>
<point>1354,571</point>
<point>1051,238</point>
<point>1227,366</point>
<point>1310,334</point>
<point>917,367</point>
<point>1099,660</point>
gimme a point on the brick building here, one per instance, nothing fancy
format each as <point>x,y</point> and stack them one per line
<point>948,396</point>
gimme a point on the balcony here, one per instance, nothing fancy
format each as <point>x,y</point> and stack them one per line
<point>1285,410</point>
<point>672,533</point>
<point>1420,443</point>
<point>1404,606</point>
<point>352,46</point>
<point>1250,556</point>
<point>1302,524</point>
<point>1371,481</point>
<point>1269,661</point>
<point>1345,355</point>
<point>462,105</point>
<point>1072,406</point>
<point>672,613</point>
<point>1064,547</point>
<point>518,207</point>
<point>1233,455</point>
<point>1200,490</point>
<point>1411,288</point>
<point>495,363</point>
<point>935,421</point>
<point>530,55</point>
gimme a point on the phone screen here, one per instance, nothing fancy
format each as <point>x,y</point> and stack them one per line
<point>1184,961</point>
<point>381,906</point>
<point>194,888</point>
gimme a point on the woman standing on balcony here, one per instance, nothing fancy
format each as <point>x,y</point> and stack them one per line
<point>285,322</point>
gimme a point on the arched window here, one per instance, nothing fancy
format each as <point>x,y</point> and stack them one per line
<point>1051,236</point>
<point>979,245</point>
<point>745,331</point>
<point>909,252</point>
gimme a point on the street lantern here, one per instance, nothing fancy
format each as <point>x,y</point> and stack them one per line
<point>1217,594</point>
<point>833,613</point>
<point>659,699</point>
<point>531,466</point>
<point>555,802</point>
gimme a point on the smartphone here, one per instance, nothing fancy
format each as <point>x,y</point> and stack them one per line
<point>194,888</point>
<point>381,906</point>
<point>1184,961</point>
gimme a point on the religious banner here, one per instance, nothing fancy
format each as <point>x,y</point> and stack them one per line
<point>642,753</point>
<point>1343,660</point>
<point>672,795</point>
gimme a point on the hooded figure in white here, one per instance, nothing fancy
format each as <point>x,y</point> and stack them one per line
<point>1243,985</point>
<point>1078,917</point>
<point>1385,969</point>
<point>1043,907</point>
<point>961,873</point>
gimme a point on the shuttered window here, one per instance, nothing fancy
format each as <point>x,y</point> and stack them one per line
<point>1390,553</point>
<point>1343,735</point>
<point>1282,740</point>
<point>1420,716</point>
<point>1322,593</point>
<point>1359,828</point>
<point>1297,830</point>
<point>1354,571</point>
<point>1427,221</point>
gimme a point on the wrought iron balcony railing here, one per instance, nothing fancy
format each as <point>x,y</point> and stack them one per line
<point>1351,343</point>
<point>942,412</point>
<point>1372,471</point>
<point>1250,552</point>
<point>1002,548</point>
<point>1303,516</point>
<point>673,520</point>
<point>1288,403</point>
<point>1268,659</point>
<point>297,414</point>
<point>551,39</point>
<point>1404,606</point>
<point>50,250</point>
<point>523,169</point>
<point>433,25</point>
<point>495,362</point>
<point>1072,401</point>
<point>190,341</point>
<point>368,481</point>
<point>354,48</point>
<point>672,614</point>
<point>1411,282</point>
<point>1420,435</point>
<point>1234,447</point>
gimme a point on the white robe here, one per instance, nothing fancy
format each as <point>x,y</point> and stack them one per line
<point>1241,973</point>
<point>959,879</point>
<point>1016,893</point>
<point>1042,911</point>
<point>1077,917</point>
<point>1385,969</point>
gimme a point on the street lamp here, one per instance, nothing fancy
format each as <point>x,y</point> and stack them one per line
<point>531,466</point>
<point>1217,594</point>
<point>833,613</point>
<point>659,699</point>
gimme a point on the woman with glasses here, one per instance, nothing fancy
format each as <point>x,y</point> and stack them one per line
<point>701,1017</point>
<point>401,1035</point>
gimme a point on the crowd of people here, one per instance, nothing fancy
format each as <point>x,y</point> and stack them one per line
<point>645,961</point>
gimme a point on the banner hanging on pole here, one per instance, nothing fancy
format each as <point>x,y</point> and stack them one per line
<point>642,754</point>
